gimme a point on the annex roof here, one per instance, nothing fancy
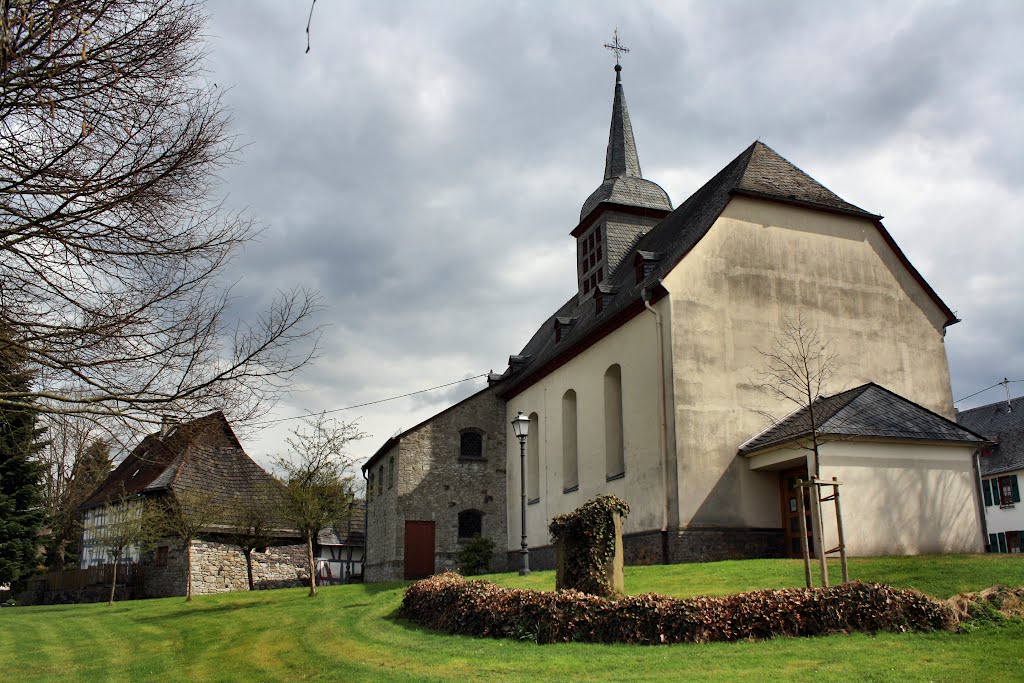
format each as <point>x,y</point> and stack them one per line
<point>869,411</point>
<point>1002,423</point>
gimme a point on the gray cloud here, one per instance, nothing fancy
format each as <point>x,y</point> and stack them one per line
<point>423,165</point>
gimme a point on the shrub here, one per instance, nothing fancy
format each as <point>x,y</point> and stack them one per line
<point>474,557</point>
<point>587,535</point>
<point>451,604</point>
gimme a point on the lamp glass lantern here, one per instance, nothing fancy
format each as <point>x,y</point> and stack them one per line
<point>521,426</point>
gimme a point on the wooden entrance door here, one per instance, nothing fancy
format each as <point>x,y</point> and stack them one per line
<point>791,511</point>
<point>419,549</point>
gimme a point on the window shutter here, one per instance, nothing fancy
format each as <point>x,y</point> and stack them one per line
<point>993,543</point>
<point>1002,542</point>
<point>985,485</point>
<point>1016,489</point>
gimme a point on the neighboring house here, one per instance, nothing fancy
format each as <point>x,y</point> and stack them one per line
<point>1001,466</point>
<point>339,550</point>
<point>201,455</point>
<point>435,486</point>
<point>640,384</point>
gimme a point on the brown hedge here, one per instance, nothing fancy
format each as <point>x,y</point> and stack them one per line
<point>450,603</point>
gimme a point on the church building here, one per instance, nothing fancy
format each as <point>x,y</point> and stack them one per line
<point>643,385</point>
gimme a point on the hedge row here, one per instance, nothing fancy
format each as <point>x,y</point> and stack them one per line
<point>450,603</point>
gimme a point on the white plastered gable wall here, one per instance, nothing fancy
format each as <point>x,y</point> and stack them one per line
<point>760,262</point>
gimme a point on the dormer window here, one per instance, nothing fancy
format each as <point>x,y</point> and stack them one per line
<point>562,324</point>
<point>644,264</point>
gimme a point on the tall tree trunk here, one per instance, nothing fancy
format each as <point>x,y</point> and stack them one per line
<point>113,581</point>
<point>188,571</point>
<point>248,568</point>
<point>312,565</point>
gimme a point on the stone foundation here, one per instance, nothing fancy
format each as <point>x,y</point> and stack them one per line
<point>692,544</point>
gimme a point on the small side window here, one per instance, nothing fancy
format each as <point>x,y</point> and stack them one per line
<point>471,524</point>
<point>471,445</point>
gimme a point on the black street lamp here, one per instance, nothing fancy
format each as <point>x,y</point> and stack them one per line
<point>521,428</point>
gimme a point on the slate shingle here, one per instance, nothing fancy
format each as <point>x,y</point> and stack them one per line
<point>867,411</point>
<point>1005,426</point>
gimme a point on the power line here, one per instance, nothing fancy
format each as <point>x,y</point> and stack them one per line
<point>997,384</point>
<point>370,403</point>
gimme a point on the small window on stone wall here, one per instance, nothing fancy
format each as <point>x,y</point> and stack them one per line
<point>391,471</point>
<point>369,487</point>
<point>471,445</point>
<point>380,479</point>
<point>471,524</point>
<point>160,559</point>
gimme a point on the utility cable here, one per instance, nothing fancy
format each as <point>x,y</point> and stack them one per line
<point>370,403</point>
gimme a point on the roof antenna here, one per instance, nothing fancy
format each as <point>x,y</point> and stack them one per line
<point>1006,387</point>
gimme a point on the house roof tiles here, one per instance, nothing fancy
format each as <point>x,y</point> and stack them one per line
<point>1003,423</point>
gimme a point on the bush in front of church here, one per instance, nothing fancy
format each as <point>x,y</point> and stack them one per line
<point>450,603</point>
<point>474,556</point>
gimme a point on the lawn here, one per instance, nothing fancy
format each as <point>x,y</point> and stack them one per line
<point>350,633</point>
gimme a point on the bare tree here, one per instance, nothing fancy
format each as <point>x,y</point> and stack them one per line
<point>254,521</point>
<point>113,242</point>
<point>76,460</point>
<point>127,523</point>
<point>318,480</point>
<point>187,515</point>
<point>796,369</point>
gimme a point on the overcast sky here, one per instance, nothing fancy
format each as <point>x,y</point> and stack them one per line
<point>423,164</point>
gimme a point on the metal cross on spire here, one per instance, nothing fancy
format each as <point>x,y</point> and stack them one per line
<point>618,48</point>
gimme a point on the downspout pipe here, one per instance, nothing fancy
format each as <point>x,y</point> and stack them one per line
<point>646,294</point>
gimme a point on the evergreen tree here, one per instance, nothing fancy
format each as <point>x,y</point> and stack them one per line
<point>21,497</point>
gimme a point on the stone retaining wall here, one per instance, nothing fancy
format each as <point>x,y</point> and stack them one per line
<point>220,568</point>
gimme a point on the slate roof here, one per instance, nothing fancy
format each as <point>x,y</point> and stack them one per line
<point>759,171</point>
<point>623,181</point>
<point>865,411</point>
<point>201,455</point>
<point>1005,426</point>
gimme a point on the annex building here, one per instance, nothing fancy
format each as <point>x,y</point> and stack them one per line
<point>640,385</point>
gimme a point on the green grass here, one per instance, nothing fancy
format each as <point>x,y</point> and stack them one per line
<point>351,633</point>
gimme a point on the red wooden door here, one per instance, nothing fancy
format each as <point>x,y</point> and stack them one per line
<point>419,549</point>
<point>791,514</point>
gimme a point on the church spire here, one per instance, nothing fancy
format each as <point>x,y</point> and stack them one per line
<point>621,158</point>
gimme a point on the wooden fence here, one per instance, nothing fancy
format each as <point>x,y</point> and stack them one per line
<point>129,574</point>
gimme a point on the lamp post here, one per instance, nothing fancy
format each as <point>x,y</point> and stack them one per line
<point>521,428</point>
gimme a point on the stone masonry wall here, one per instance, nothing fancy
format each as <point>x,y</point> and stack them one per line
<point>432,483</point>
<point>220,568</point>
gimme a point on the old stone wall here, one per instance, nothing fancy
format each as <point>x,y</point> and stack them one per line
<point>220,567</point>
<point>433,482</point>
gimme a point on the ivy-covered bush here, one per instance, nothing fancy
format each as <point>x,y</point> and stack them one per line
<point>451,604</point>
<point>587,535</point>
<point>474,557</point>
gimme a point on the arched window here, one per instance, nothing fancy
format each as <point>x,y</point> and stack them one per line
<point>391,471</point>
<point>533,459</point>
<point>471,444</point>
<point>471,524</point>
<point>380,479</point>
<point>570,463</point>
<point>369,487</point>
<point>614,456</point>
